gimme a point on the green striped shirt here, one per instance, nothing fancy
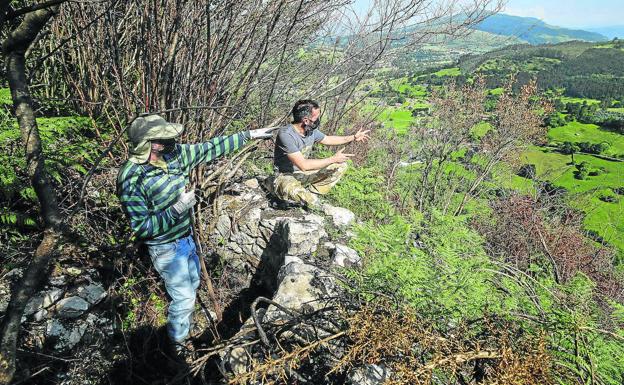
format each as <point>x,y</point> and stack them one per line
<point>147,193</point>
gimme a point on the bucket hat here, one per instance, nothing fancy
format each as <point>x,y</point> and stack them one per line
<point>144,129</point>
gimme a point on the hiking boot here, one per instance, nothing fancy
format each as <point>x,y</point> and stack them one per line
<point>182,353</point>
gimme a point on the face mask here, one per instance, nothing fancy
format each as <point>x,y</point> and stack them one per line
<point>313,126</point>
<point>168,144</point>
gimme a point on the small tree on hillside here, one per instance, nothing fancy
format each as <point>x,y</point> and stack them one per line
<point>569,148</point>
<point>517,120</point>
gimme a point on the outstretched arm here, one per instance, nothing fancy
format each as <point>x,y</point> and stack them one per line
<point>195,154</point>
<point>334,140</point>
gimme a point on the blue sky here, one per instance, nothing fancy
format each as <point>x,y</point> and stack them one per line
<point>570,13</point>
<point>562,13</point>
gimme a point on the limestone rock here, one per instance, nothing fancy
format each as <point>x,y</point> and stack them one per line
<point>92,293</point>
<point>252,183</point>
<point>340,216</point>
<point>66,337</point>
<point>302,237</point>
<point>72,307</point>
<point>368,375</point>
<point>42,300</point>
<point>345,256</point>
<point>223,225</point>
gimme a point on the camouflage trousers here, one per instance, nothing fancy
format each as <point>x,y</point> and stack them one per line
<point>304,186</point>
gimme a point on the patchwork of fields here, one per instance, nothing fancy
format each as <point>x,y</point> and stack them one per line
<point>597,196</point>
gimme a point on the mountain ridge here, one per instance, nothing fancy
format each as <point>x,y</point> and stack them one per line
<point>533,30</point>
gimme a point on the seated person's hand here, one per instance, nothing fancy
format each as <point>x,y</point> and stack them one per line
<point>340,157</point>
<point>362,135</point>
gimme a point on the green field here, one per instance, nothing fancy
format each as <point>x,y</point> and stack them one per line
<point>605,219</point>
<point>397,118</point>
<point>578,132</point>
<point>567,99</point>
<point>409,90</point>
<point>620,110</point>
<point>455,71</point>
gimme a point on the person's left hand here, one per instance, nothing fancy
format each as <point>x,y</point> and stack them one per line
<point>361,135</point>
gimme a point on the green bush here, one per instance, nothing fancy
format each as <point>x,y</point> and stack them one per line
<point>362,190</point>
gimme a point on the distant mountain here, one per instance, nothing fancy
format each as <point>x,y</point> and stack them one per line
<point>610,31</point>
<point>533,30</point>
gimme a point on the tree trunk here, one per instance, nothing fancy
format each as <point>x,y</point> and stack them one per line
<point>14,49</point>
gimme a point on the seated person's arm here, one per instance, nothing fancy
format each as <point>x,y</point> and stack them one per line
<point>315,164</point>
<point>333,140</point>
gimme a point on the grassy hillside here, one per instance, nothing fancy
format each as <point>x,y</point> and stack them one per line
<point>602,218</point>
<point>585,70</point>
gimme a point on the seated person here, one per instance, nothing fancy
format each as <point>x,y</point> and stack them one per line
<point>298,178</point>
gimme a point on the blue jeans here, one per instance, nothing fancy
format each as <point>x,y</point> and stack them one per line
<point>178,264</point>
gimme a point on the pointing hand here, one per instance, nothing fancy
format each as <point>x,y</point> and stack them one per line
<point>340,157</point>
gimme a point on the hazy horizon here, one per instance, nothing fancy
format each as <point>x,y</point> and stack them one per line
<point>575,14</point>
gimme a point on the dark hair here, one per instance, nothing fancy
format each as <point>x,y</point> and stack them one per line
<point>303,108</point>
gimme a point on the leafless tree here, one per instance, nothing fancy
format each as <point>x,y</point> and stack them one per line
<point>23,25</point>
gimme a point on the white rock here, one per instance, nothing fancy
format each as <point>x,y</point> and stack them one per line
<point>223,225</point>
<point>302,237</point>
<point>341,217</point>
<point>345,256</point>
<point>369,375</point>
<point>40,315</point>
<point>74,271</point>
<point>72,307</point>
<point>252,183</point>
<point>58,280</point>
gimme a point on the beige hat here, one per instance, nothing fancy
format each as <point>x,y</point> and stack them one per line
<point>144,129</point>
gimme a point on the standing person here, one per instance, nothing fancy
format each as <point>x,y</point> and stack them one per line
<point>299,178</point>
<point>151,186</point>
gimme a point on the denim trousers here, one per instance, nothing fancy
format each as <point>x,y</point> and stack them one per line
<point>177,263</point>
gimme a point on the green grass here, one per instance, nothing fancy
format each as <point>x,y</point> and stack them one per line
<point>580,132</point>
<point>455,71</point>
<point>397,118</point>
<point>402,86</point>
<point>496,91</point>
<point>479,130</point>
<point>5,96</point>
<point>620,110</point>
<point>605,219</point>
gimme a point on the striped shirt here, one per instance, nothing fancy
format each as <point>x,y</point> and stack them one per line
<point>147,193</point>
